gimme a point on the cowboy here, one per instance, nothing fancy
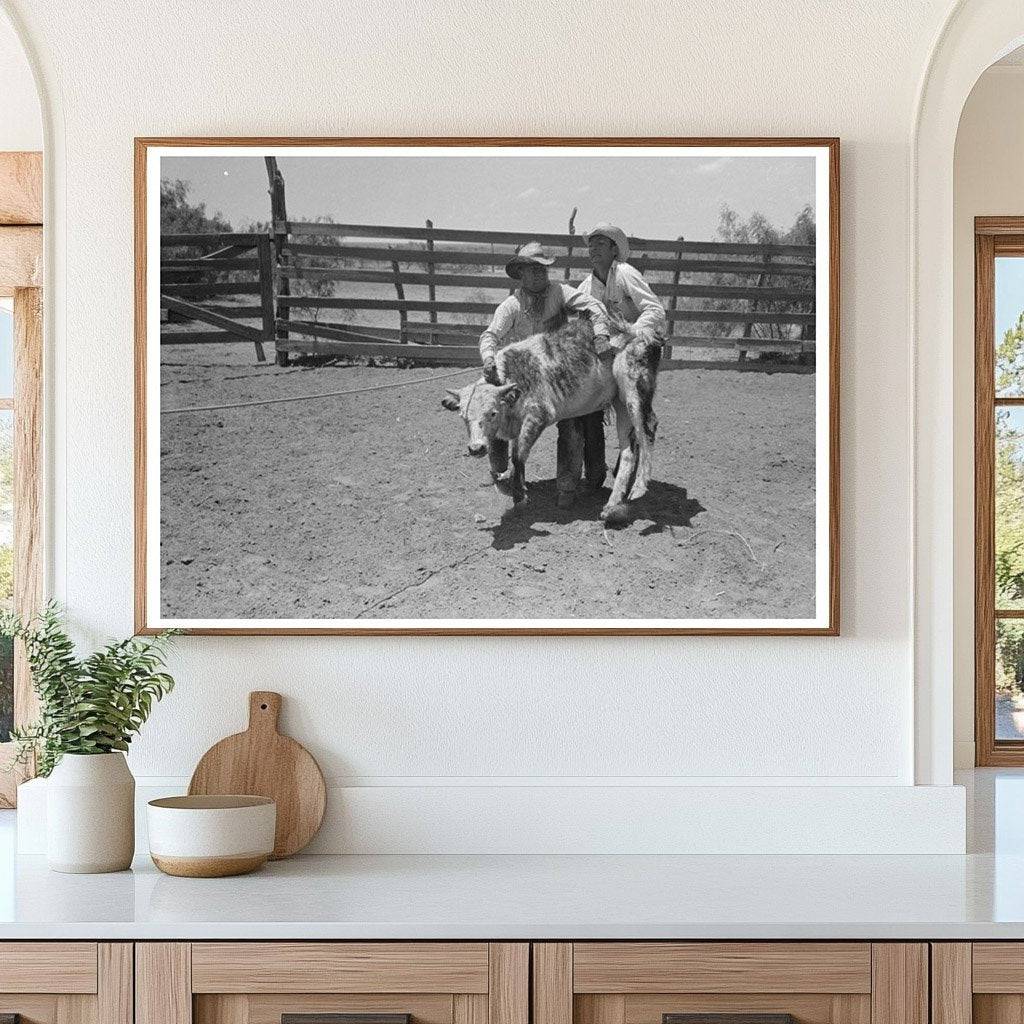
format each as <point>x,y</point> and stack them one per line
<point>621,288</point>
<point>619,285</point>
<point>540,305</point>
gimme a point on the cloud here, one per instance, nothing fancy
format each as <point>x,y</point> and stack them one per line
<point>710,166</point>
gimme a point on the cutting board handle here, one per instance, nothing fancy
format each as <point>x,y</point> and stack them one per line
<point>264,710</point>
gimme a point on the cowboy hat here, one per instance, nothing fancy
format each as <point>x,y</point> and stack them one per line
<point>532,252</point>
<point>613,234</point>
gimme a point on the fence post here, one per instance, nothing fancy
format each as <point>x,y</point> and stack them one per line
<point>674,301</point>
<point>568,248</point>
<point>266,270</point>
<point>431,290</point>
<point>403,316</point>
<point>748,327</point>
<point>279,230</point>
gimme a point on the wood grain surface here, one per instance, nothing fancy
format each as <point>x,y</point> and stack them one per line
<point>21,258</point>
<point>552,983</point>
<point>722,967</point>
<point>69,967</point>
<point>340,967</point>
<point>262,762</point>
<point>951,983</point>
<point>21,188</point>
<point>163,983</point>
<point>899,983</point>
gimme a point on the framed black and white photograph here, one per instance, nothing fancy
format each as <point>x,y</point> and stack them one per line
<point>490,386</point>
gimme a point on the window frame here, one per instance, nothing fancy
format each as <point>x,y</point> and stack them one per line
<point>993,237</point>
<point>21,252</point>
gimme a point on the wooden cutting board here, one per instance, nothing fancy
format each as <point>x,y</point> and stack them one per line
<point>262,762</point>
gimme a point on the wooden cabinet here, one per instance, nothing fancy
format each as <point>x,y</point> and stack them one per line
<point>66,982</point>
<point>815,982</point>
<point>494,983</point>
<point>980,982</point>
<point>259,982</point>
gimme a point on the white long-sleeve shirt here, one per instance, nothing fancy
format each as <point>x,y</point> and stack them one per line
<point>513,321</point>
<point>628,296</point>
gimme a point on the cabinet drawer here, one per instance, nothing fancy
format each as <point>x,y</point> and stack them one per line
<point>261,982</point>
<point>737,982</point>
<point>630,967</point>
<point>48,967</point>
<point>340,967</point>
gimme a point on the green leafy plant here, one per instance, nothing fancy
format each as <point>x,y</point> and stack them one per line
<point>90,705</point>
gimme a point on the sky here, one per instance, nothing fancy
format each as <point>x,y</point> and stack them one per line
<point>1009,293</point>
<point>659,197</point>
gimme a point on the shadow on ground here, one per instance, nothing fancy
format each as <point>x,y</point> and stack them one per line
<point>665,505</point>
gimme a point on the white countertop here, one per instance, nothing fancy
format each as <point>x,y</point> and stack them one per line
<point>977,896</point>
<point>532,897</point>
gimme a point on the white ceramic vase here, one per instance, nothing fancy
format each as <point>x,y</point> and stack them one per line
<point>90,814</point>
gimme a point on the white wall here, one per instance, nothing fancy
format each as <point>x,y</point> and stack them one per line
<point>21,125</point>
<point>988,181</point>
<point>443,713</point>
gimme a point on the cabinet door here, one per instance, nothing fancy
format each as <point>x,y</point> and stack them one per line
<point>980,982</point>
<point>315,982</point>
<point>738,982</point>
<point>66,982</point>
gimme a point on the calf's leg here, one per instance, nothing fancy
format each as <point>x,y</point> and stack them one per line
<point>627,457</point>
<point>569,460</point>
<point>497,455</point>
<point>593,449</point>
<point>643,433</point>
<point>531,429</point>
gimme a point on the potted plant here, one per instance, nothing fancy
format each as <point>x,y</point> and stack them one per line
<point>89,709</point>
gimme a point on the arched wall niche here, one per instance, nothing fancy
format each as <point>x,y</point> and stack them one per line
<point>976,33</point>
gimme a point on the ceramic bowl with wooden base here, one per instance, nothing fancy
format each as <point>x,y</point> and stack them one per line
<point>211,836</point>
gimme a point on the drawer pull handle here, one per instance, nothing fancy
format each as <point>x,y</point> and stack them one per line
<point>10,1018</point>
<point>728,1018</point>
<point>340,1018</point>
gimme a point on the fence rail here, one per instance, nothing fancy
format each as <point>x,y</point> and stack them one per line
<point>178,294</point>
<point>765,292</point>
<point>514,238</point>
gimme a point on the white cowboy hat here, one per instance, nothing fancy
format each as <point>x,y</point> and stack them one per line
<point>613,234</point>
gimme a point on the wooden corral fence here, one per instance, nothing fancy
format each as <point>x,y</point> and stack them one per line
<point>424,294</point>
<point>236,271</point>
<point>445,283</point>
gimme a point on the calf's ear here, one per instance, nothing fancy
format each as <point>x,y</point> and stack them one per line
<point>451,400</point>
<point>511,394</point>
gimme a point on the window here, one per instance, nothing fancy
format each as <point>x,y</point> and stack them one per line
<point>6,510</point>
<point>20,494</point>
<point>999,490</point>
<point>21,365</point>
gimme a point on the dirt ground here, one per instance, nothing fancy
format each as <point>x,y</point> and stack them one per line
<point>368,506</point>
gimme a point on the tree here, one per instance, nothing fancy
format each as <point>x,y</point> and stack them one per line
<point>1009,472</point>
<point>758,230</point>
<point>180,217</point>
<point>1009,507</point>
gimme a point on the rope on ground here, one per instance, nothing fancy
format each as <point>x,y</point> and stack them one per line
<point>325,394</point>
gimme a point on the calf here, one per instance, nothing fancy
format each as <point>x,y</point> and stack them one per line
<point>559,375</point>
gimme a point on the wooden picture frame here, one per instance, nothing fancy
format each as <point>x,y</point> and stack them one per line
<point>271,327</point>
